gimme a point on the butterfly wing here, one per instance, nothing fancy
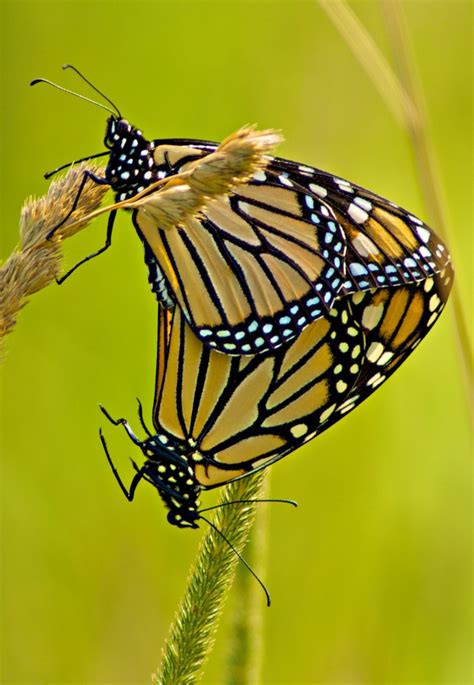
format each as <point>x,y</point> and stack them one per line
<point>254,270</point>
<point>238,414</point>
<point>257,267</point>
<point>386,245</point>
<point>234,415</point>
<point>394,322</point>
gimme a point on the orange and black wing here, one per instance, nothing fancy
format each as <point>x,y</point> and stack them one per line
<point>386,245</point>
<point>233,415</point>
<point>394,322</point>
<point>253,269</point>
<point>259,266</point>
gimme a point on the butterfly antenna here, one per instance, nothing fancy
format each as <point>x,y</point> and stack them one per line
<point>70,66</point>
<point>247,566</point>
<point>77,161</point>
<point>252,501</point>
<point>71,92</point>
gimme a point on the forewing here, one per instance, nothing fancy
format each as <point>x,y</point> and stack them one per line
<point>254,269</point>
<point>259,266</point>
<point>387,245</point>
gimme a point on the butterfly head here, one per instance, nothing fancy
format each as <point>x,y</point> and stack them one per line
<point>116,129</point>
<point>168,470</point>
<point>131,165</point>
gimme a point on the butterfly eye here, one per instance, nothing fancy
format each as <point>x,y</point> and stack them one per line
<point>110,132</point>
<point>123,128</point>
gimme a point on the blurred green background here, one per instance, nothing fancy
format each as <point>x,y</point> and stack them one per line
<point>370,577</point>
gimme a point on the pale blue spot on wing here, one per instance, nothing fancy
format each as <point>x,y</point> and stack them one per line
<point>358,269</point>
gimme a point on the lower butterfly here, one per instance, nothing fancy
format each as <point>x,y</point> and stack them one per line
<point>265,259</point>
<point>218,418</point>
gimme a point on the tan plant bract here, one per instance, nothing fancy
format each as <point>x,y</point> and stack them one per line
<point>171,202</point>
<point>36,261</point>
<point>235,161</point>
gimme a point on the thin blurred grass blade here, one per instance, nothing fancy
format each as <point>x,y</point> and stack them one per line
<point>428,170</point>
<point>403,96</point>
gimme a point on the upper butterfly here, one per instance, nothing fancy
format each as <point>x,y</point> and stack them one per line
<point>258,263</point>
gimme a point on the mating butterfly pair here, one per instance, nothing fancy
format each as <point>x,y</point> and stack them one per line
<point>297,289</point>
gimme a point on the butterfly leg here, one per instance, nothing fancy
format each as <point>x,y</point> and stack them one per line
<point>124,423</point>
<point>142,420</point>
<point>107,244</point>
<point>129,494</point>
<point>86,175</point>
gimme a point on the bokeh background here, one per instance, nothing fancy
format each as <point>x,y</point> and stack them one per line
<point>370,577</point>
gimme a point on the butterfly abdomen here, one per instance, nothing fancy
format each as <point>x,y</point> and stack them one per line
<point>167,467</point>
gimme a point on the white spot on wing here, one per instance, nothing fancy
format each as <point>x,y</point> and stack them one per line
<point>374,352</point>
<point>327,413</point>
<point>299,430</point>
<point>357,213</point>
<point>429,283</point>
<point>385,358</point>
<point>423,234</point>
<point>364,246</point>
<point>372,315</point>
<point>434,302</point>
<point>364,204</point>
<point>318,190</point>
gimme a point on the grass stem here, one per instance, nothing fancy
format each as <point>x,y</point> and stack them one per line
<point>192,633</point>
<point>245,647</point>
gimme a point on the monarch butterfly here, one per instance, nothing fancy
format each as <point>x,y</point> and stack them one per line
<point>254,269</point>
<point>219,417</point>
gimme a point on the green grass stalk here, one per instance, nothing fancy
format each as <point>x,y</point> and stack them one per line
<point>245,646</point>
<point>403,96</point>
<point>427,167</point>
<point>367,53</point>
<point>192,633</point>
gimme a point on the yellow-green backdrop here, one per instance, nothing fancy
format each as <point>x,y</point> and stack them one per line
<point>370,577</point>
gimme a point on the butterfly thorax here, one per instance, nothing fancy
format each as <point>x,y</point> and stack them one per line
<point>170,472</point>
<point>131,166</point>
<point>130,170</point>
